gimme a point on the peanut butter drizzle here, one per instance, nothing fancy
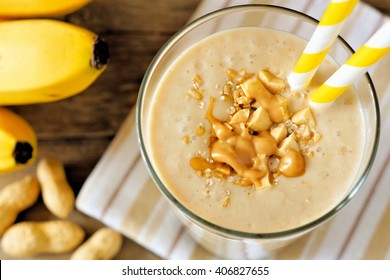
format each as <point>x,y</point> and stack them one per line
<point>270,102</point>
<point>245,152</point>
<point>292,164</point>
<point>199,164</point>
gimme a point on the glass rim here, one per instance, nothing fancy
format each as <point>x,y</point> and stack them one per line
<point>223,230</point>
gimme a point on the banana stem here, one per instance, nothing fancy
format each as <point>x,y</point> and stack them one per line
<point>100,53</point>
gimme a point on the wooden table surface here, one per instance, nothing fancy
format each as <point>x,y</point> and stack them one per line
<point>78,130</point>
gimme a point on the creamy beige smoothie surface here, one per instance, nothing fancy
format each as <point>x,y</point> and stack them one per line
<point>235,146</point>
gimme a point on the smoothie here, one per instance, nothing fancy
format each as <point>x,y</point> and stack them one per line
<point>282,171</point>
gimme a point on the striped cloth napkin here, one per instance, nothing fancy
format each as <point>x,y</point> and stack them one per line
<point>120,193</point>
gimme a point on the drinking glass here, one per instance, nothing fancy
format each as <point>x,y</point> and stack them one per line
<point>224,242</point>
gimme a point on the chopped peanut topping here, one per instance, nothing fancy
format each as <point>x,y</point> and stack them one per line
<point>279,133</point>
<point>267,181</point>
<point>271,82</point>
<point>226,202</point>
<point>316,137</point>
<point>227,90</point>
<point>200,130</point>
<point>186,139</point>
<point>231,73</point>
<point>261,139</point>
<point>197,80</point>
<point>196,91</point>
<point>195,94</point>
<point>305,116</point>
<point>240,117</point>
<point>287,144</point>
<point>259,120</point>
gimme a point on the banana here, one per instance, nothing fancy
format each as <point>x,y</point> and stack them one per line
<point>45,60</point>
<point>18,142</point>
<point>39,8</point>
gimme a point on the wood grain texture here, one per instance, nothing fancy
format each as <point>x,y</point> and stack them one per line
<point>78,130</point>
<point>381,5</point>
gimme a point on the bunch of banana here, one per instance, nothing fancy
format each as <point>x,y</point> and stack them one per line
<point>41,60</point>
<point>46,60</point>
<point>18,142</point>
<point>39,8</point>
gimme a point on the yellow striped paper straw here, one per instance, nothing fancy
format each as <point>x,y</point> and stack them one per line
<point>367,55</point>
<point>322,39</point>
